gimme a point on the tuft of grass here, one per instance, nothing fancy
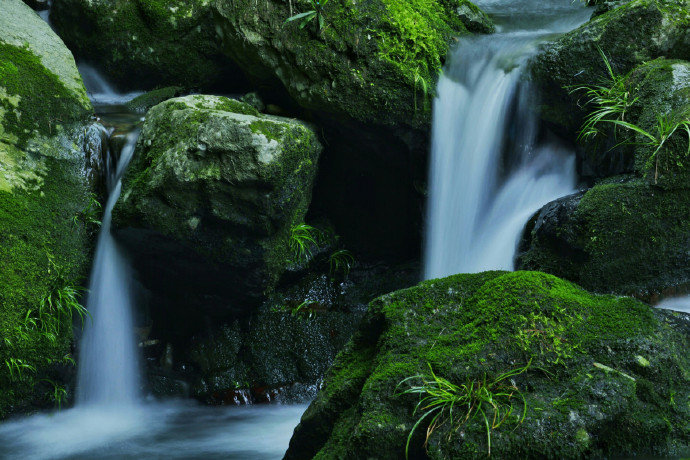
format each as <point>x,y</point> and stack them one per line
<point>665,129</point>
<point>611,100</point>
<point>17,367</point>
<point>443,402</point>
<point>341,261</point>
<point>303,238</point>
<point>58,394</point>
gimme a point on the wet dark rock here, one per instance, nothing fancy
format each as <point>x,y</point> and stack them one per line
<point>141,44</point>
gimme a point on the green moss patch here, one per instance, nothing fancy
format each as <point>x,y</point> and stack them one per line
<point>32,99</point>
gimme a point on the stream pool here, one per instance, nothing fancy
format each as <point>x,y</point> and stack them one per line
<point>175,429</point>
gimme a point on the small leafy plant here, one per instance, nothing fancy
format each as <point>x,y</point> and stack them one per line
<point>611,101</point>
<point>18,367</point>
<point>315,14</point>
<point>58,394</point>
<point>303,238</point>
<point>341,261</point>
<point>490,401</point>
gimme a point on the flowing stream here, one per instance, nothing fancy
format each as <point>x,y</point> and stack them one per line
<point>111,418</point>
<point>489,170</point>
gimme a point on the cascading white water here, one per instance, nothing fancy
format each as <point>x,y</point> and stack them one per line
<point>100,90</point>
<point>488,174</point>
<point>108,364</point>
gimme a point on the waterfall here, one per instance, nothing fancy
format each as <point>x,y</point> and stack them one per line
<point>108,364</point>
<point>488,172</point>
<point>101,91</point>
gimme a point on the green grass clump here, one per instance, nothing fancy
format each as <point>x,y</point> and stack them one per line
<point>491,401</point>
<point>612,100</point>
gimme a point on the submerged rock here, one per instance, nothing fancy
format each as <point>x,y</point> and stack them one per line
<point>623,237</point>
<point>210,198</point>
<point>45,203</point>
<point>585,375</point>
<point>142,44</point>
<point>375,61</point>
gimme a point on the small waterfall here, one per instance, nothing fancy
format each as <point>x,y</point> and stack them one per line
<point>108,364</point>
<point>101,92</point>
<point>488,172</point>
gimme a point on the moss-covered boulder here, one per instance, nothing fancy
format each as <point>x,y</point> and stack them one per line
<point>663,89</point>
<point>629,35</point>
<point>624,237</point>
<point>374,61</point>
<point>144,43</point>
<point>44,193</point>
<point>211,196</point>
<point>585,375</point>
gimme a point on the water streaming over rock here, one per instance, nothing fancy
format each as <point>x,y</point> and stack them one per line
<point>488,171</point>
<point>108,364</point>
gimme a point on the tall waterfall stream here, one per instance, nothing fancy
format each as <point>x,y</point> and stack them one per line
<point>489,170</point>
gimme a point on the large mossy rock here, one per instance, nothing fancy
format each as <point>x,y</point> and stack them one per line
<point>143,44</point>
<point>374,61</point>
<point>623,237</point>
<point>210,198</point>
<point>600,375</point>
<point>44,245</point>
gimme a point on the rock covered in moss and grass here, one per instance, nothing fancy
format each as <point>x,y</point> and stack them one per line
<point>374,61</point>
<point>593,376</point>
<point>628,35</point>
<point>663,89</point>
<point>211,196</point>
<point>622,236</point>
<point>141,44</point>
<point>44,200</point>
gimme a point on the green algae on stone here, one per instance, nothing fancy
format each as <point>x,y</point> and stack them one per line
<point>467,326</point>
<point>213,175</point>
<point>375,61</point>
<point>43,190</point>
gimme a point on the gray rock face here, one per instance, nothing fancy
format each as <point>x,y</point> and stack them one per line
<point>211,196</point>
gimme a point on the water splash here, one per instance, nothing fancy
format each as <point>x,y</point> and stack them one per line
<point>108,364</point>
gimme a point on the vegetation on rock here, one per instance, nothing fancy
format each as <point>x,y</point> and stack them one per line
<point>606,375</point>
